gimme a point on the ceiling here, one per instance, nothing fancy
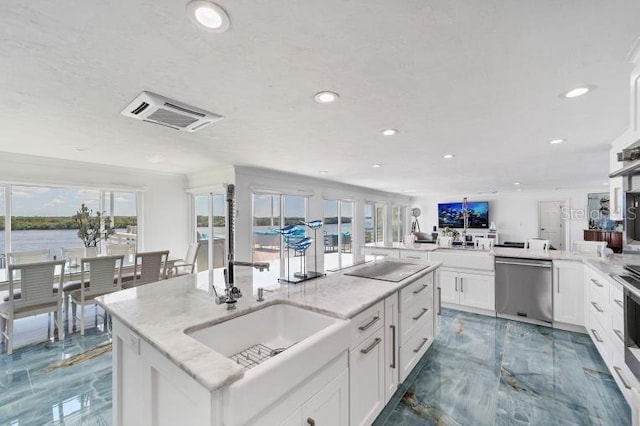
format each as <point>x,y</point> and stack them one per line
<point>481,80</point>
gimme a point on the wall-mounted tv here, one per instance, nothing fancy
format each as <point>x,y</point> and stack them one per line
<point>450,214</point>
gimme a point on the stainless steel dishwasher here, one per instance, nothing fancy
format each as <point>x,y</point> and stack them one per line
<point>524,288</point>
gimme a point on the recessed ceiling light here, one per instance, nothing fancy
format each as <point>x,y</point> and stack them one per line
<point>519,189</point>
<point>448,156</point>
<point>324,172</point>
<point>208,16</point>
<point>389,132</point>
<point>557,141</point>
<point>326,97</point>
<point>516,183</point>
<point>578,91</point>
<point>375,166</point>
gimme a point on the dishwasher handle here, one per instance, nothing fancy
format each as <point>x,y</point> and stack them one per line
<point>537,265</point>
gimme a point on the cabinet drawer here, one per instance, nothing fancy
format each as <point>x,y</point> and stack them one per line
<point>600,336</point>
<point>616,299</point>
<point>623,376</point>
<point>415,256</point>
<point>598,289</point>
<point>385,252</point>
<point>415,315</point>
<point>416,290</point>
<point>416,345</point>
<point>600,312</point>
<point>366,323</point>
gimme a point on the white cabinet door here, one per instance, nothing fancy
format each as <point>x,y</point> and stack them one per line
<point>330,406</point>
<point>568,292</point>
<point>366,379</point>
<point>448,281</point>
<point>477,291</point>
<point>391,345</point>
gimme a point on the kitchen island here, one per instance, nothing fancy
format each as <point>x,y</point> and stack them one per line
<point>345,372</point>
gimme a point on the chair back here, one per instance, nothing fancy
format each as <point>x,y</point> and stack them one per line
<point>192,253</point>
<point>538,245</point>
<point>589,247</point>
<point>120,249</point>
<point>73,255</point>
<point>150,267</point>
<point>101,271</point>
<point>485,243</point>
<point>35,281</point>
<point>29,256</point>
<point>444,241</point>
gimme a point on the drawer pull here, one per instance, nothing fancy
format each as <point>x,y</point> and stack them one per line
<point>422,288</point>
<point>393,346</point>
<point>619,303</point>
<point>424,311</point>
<point>598,308</point>
<point>596,282</point>
<point>379,254</point>
<point>461,285</point>
<point>439,300</point>
<point>618,371</point>
<point>311,422</point>
<point>371,346</point>
<point>369,324</point>
<point>619,334</point>
<point>597,336</point>
<point>412,257</point>
<point>456,283</point>
<point>424,340</point>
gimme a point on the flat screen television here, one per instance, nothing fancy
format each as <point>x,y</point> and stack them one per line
<point>450,214</point>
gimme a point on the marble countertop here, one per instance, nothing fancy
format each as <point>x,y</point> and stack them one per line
<point>160,312</point>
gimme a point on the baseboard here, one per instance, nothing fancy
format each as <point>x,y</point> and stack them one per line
<point>469,309</point>
<point>570,327</point>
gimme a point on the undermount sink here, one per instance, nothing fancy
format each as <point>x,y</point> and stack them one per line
<point>278,345</point>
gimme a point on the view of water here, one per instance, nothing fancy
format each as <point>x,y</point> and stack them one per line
<point>35,239</point>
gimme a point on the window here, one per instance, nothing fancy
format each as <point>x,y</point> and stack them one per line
<point>210,232</point>
<point>3,234</point>
<point>374,222</point>
<point>338,234</point>
<point>121,208</point>
<point>270,213</point>
<point>398,221</point>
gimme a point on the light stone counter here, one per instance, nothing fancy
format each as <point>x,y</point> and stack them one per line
<point>160,312</point>
<point>403,246</point>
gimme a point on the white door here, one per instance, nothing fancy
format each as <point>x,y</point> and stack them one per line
<point>366,380</point>
<point>551,223</point>
<point>448,282</point>
<point>330,406</point>
<point>568,292</point>
<point>477,291</point>
<point>391,345</point>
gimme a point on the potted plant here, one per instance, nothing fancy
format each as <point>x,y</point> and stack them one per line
<point>448,232</point>
<point>89,226</point>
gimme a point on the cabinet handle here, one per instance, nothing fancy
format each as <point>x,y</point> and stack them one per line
<point>371,346</point>
<point>424,340</point>
<point>439,300</point>
<point>596,282</point>
<point>558,280</point>
<point>456,283</point>
<point>595,305</point>
<point>618,371</point>
<point>369,324</point>
<point>393,346</point>
<point>424,311</point>
<point>423,287</point>
<point>461,285</point>
<point>412,257</point>
<point>596,335</point>
<point>619,334</point>
<point>311,422</point>
<point>379,254</point>
<point>619,303</point>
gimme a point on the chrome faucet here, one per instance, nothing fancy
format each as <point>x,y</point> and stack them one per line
<point>233,293</point>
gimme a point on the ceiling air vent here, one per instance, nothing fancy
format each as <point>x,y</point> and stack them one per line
<point>157,109</point>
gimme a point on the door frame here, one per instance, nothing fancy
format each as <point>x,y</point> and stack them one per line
<point>565,237</point>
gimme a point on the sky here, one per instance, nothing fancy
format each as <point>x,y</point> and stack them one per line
<point>44,201</point>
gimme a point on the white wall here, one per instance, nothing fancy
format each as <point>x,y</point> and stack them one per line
<point>164,216</point>
<point>516,214</point>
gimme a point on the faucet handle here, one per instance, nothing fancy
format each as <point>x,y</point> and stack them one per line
<point>235,293</point>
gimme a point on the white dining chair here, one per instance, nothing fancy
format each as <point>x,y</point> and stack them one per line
<point>148,267</point>
<point>585,247</point>
<point>484,243</point>
<point>444,241</point>
<point>35,282</point>
<point>188,265</point>
<point>537,245</point>
<point>101,275</point>
<point>28,256</point>
<point>73,254</point>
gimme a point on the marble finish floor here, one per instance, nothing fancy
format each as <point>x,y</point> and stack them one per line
<point>64,382</point>
<point>489,371</point>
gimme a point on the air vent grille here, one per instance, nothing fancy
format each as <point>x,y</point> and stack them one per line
<point>179,108</point>
<point>140,108</point>
<point>172,118</point>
